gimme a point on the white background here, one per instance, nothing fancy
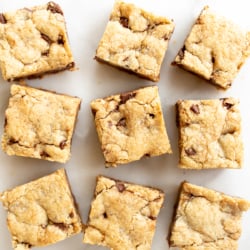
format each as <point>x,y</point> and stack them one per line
<point>86,21</point>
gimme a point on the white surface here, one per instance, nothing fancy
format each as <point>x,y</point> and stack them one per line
<point>86,21</point>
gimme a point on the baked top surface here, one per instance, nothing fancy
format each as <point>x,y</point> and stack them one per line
<point>206,219</point>
<point>123,215</point>
<point>135,40</point>
<point>34,41</point>
<point>39,124</point>
<point>215,48</point>
<point>130,126</point>
<point>209,133</point>
<point>41,212</point>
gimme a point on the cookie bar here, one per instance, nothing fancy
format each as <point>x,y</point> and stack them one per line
<point>41,212</point>
<point>215,49</point>
<point>123,215</point>
<point>39,124</point>
<point>130,126</point>
<point>206,219</point>
<point>33,42</point>
<point>135,41</point>
<point>209,133</point>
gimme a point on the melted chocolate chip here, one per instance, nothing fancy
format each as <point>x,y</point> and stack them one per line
<point>124,21</point>
<point>46,38</point>
<point>122,122</point>
<point>63,144</point>
<point>213,59</point>
<point>152,116</point>
<point>2,19</point>
<point>60,40</point>
<point>120,186</point>
<point>44,154</point>
<point>182,52</point>
<point>54,8</point>
<point>190,151</point>
<point>45,53</point>
<point>71,215</point>
<point>105,215</point>
<point>70,65</point>
<point>126,96</point>
<point>62,226</point>
<point>195,108</point>
<point>152,217</point>
<point>12,141</point>
<point>226,104</point>
<point>147,155</point>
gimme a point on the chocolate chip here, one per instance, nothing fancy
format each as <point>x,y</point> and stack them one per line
<point>60,40</point>
<point>124,21</point>
<point>71,215</point>
<point>213,59</point>
<point>105,215</point>
<point>12,141</point>
<point>147,155</point>
<point>2,19</point>
<point>63,144</point>
<point>190,151</point>
<point>5,122</point>
<point>152,115</point>
<point>62,226</point>
<point>195,108</point>
<point>93,111</point>
<point>126,96</point>
<point>120,186</point>
<point>226,104</point>
<point>54,8</point>
<point>45,53</point>
<point>152,217</point>
<point>70,65</point>
<point>182,52</point>
<point>44,154</point>
<point>46,38</point>
<point>122,122</point>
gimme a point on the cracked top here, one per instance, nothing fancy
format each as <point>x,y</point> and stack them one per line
<point>41,212</point>
<point>33,41</point>
<point>130,126</point>
<point>215,49</point>
<point>206,219</point>
<point>123,215</point>
<point>135,40</point>
<point>210,133</point>
<point>39,124</point>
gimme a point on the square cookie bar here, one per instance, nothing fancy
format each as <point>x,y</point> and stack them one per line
<point>215,49</point>
<point>206,219</point>
<point>33,42</point>
<point>130,126</point>
<point>39,124</point>
<point>135,41</point>
<point>41,212</point>
<point>123,215</point>
<point>209,133</point>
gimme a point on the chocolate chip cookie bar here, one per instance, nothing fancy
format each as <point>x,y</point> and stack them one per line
<point>135,41</point>
<point>206,219</point>
<point>215,49</point>
<point>33,42</point>
<point>130,126</point>
<point>39,124</point>
<point>123,215</point>
<point>209,133</point>
<point>41,212</point>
